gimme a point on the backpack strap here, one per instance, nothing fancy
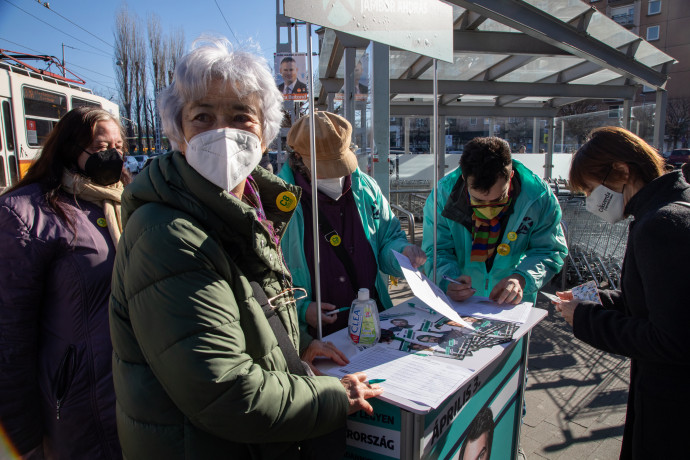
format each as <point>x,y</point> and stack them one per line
<point>291,357</point>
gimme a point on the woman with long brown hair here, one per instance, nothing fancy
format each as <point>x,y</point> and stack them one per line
<point>59,227</point>
<point>647,319</point>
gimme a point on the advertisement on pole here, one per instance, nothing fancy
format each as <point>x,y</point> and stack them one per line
<point>361,77</point>
<point>291,75</point>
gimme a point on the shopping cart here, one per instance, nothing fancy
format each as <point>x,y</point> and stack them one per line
<point>595,247</point>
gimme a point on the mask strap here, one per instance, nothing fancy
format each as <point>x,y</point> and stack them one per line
<point>603,182</point>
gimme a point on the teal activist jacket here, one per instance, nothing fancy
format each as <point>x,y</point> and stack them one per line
<point>381,227</point>
<point>197,369</point>
<point>533,234</point>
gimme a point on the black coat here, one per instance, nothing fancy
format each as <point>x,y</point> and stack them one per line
<point>648,320</point>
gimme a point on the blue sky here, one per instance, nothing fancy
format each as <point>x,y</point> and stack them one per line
<point>86,28</point>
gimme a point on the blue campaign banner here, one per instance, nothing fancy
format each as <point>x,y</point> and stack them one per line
<point>483,415</point>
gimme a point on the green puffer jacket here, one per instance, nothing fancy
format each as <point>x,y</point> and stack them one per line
<point>533,233</point>
<point>197,368</point>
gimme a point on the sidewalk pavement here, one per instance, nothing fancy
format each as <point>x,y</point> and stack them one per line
<point>576,395</point>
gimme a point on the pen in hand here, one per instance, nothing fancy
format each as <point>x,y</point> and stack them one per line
<point>451,280</point>
<point>335,312</point>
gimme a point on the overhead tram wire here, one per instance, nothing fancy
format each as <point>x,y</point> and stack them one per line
<point>20,45</point>
<point>74,23</point>
<point>226,22</point>
<point>50,25</point>
<point>71,65</point>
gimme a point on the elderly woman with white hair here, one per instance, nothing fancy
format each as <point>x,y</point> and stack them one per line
<point>206,345</point>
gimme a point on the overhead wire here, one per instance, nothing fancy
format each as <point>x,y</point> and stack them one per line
<point>50,25</point>
<point>74,23</point>
<point>226,22</point>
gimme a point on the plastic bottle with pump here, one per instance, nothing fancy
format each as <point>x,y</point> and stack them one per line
<point>364,327</point>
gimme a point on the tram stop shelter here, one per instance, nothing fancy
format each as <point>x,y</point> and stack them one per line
<point>511,58</point>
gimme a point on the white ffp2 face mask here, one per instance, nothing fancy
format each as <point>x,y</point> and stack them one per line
<point>606,204</point>
<point>331,187</point>
<point>224,156</point>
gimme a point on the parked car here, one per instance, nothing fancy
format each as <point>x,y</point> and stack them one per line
<point>678,157</point>
<point>131,164</point>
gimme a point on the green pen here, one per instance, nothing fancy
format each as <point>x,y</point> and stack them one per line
<point>335,312</point>
<point>373,381</point>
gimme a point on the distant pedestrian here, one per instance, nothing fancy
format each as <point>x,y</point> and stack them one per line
<point>647,319</point>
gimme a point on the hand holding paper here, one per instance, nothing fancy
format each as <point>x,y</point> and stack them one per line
<point>427,291</point>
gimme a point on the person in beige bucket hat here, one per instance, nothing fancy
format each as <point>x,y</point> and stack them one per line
<point>333,135</point>
<point>357,229</point>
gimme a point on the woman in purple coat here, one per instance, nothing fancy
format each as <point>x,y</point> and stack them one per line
<point>59,228</point>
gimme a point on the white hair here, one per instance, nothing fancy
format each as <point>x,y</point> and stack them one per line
<point>214,58</point>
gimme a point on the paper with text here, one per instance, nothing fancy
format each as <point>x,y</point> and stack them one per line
<point>487,308</point>
<point>414,377</point>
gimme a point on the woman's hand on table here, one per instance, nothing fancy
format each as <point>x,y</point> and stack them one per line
<point>317,348</point>
<point>358,391</point>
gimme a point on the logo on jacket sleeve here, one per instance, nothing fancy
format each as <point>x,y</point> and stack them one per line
<point>525,225</point>
<point>375,212</point>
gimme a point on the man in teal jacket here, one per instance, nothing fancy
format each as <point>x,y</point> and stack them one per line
<point>498,231</point>
<point>358,215</point>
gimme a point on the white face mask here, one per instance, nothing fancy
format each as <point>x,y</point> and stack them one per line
<point>331,187</point>
<point>606,204</point>
<point>224,156</point>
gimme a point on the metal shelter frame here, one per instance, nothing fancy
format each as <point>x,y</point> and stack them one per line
<point>516,58</point>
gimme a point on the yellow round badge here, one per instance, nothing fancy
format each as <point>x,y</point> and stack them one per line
<point>101,222</point>
<point>286,201</point>
<point>503,249</point>
<point>335,240</point>
<point>512,236</point>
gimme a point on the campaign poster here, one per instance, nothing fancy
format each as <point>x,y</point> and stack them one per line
<point>361,74</point>
<point>291,75</point>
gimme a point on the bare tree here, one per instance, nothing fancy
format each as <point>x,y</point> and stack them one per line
<point>175,50</point>
<point>139,54</point>
<point>578,126</point>
<point>125,65</point>
<point>678,121</point>
<point>158,68</point>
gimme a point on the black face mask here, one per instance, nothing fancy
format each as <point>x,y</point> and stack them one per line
<point>104,167</point>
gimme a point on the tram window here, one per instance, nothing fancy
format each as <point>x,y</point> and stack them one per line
<point>3,179</point>
<point>9,130</point>
<point>39,103</point>
<point>78,102</point>
<point>43,104</point>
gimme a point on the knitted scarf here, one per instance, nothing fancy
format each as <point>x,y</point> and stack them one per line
<point>485,230</point>
<point>108,197</point>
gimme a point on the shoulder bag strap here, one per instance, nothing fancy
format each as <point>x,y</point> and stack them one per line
<point>293,362</point>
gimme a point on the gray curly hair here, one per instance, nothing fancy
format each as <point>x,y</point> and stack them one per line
<point>214,58</point>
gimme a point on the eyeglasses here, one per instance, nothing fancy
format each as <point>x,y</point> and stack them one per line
<point>285,292</point>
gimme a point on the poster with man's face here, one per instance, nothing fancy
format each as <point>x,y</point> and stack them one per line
<point>291,75</point>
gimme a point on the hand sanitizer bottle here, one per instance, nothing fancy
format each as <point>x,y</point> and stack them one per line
<point>363,324</point>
